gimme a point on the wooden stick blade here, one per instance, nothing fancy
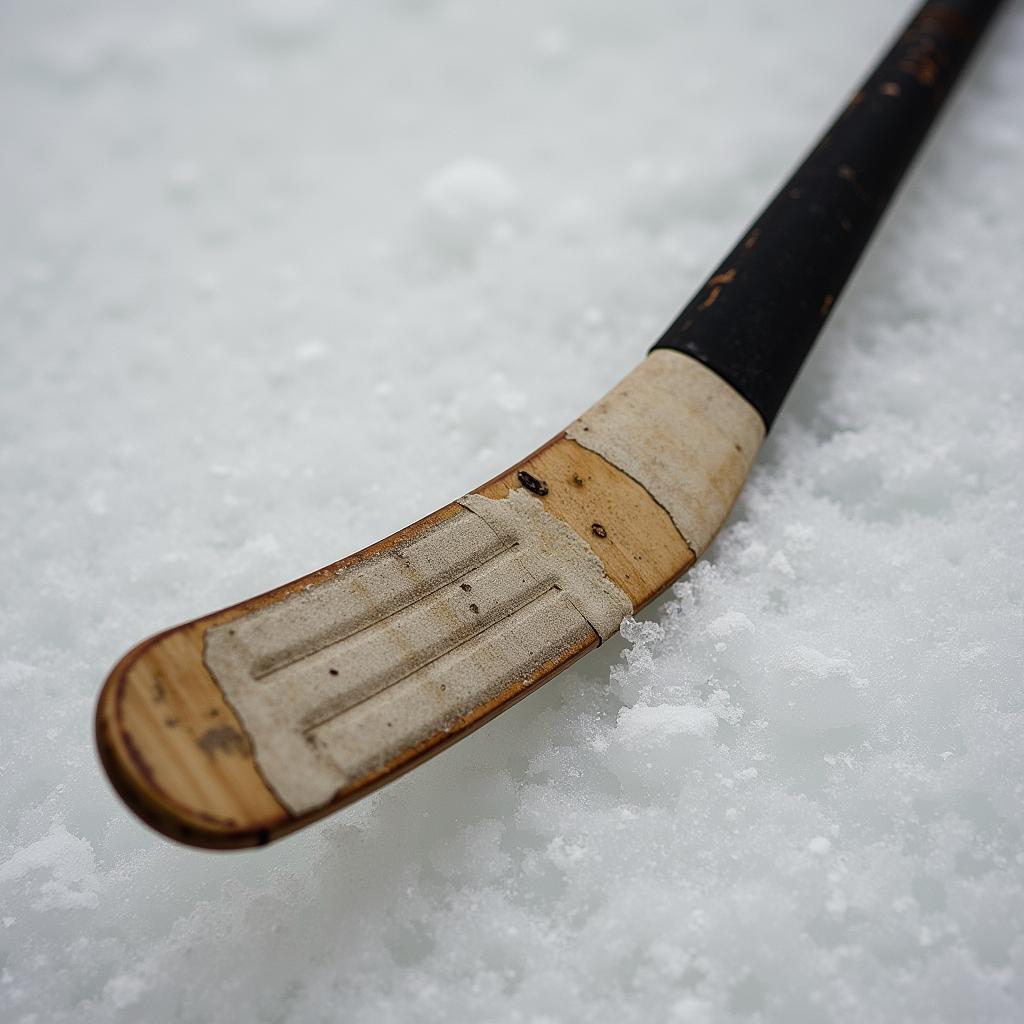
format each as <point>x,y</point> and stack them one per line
<point>252,722</point>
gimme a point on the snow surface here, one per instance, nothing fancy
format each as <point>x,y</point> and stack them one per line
<point>279,278</point>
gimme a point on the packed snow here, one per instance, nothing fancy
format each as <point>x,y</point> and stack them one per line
<point>280,278</point>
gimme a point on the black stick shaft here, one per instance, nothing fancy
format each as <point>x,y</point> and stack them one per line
<point>755,319</point>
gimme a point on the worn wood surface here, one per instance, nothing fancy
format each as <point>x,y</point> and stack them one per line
<point>177,752</point>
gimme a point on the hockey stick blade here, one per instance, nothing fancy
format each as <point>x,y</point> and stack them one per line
<point>259,719</point>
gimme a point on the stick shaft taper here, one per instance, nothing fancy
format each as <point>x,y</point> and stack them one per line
<point>755,319</point>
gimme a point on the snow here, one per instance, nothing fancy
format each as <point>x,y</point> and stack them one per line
<point>467,207</point>
<point>277,280</point>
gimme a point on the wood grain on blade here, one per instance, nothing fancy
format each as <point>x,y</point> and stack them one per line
<point>252,722</point>
<point>249,723</point>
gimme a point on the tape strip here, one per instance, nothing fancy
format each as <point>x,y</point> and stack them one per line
<point>340,680</point>
<point>683,434</point>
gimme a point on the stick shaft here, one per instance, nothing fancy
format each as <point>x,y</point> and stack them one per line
<point>755,319</point>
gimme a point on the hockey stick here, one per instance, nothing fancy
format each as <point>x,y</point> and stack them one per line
<point>252,722</point>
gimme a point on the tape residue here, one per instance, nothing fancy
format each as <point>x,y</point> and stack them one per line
<point>340,680</point>
<point>683,434</point>
<point>557,552</point>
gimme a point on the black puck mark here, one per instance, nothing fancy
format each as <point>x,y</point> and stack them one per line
<point>531,483</point>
